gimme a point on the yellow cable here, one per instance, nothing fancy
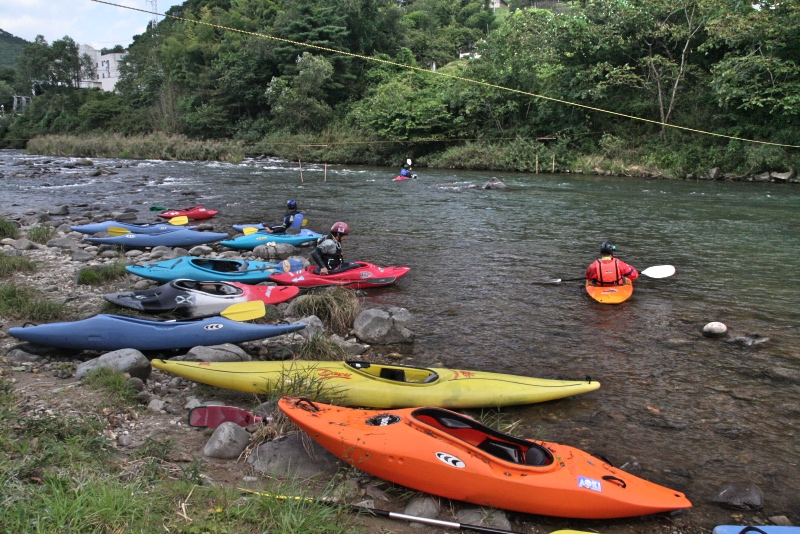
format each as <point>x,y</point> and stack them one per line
<point>426,71</point>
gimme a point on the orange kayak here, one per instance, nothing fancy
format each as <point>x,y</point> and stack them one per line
<point>610,294</point>
<point>451,455</point>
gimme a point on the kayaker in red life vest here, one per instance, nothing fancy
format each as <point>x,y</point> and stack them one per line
<point>608,270</point>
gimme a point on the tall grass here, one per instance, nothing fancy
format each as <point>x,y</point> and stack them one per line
<point>8,229</point>
<point>15,264</point>
<point>41,233</point>
<point>118,390</point>
<point>97,276</point>
<point>24,302</point>
<point>337,307</point>
<point>153,146</point>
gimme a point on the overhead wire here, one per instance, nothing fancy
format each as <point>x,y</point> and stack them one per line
<point>454,77</point>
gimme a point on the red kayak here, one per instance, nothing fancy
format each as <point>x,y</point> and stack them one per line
<point>364,276</point>
<point>195,212</point>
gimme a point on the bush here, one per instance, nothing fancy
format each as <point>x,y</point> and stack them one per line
<point>15,264</point>
<point>337,307</point>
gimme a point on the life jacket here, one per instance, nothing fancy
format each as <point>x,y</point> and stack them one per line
<point>293,221</point>
<point>331,260</point>
<point>608,272</point>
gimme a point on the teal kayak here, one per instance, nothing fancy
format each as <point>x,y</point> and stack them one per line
<point>114,332</point>
<point>251,241</point>
<point>212,270</point>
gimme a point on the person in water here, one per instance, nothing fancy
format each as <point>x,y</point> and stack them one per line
<point>288,219</point>
<point>608,270</point>
<point>328,253</point>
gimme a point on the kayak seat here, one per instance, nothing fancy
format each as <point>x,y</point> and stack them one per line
<point>505,451</point>
<point>398,375</point>
<point>536,456</point>
<point>243,266</point>
<point>433,377</point>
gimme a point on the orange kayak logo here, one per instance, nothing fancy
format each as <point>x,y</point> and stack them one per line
<point>327,373</point>
<point>449,459</point>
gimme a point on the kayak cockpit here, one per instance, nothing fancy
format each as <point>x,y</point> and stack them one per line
<point>396,373</point>
<point>471,432</point>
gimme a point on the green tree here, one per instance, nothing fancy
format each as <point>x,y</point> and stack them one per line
<point>296,101</point>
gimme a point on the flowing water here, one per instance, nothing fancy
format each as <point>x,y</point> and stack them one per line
<point>693,413</point>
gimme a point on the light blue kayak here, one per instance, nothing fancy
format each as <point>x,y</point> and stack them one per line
<point>755,529</point>
<point>113,332</point>
<point>149,228</point>
<point>181,237</point>
<point>251,241</point>
<point>212,270</point>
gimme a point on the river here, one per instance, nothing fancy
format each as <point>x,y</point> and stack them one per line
<point>693,412</point>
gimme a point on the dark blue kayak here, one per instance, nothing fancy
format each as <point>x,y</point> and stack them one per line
<point>96,228</point>
<point>112,332</point>
<point>174,238</point>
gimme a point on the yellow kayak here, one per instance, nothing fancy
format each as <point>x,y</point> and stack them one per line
<point>374,385</point>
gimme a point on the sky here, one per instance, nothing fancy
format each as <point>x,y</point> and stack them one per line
<point>87,22</point>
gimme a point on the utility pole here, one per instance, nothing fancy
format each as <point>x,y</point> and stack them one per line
<point>152,5</point>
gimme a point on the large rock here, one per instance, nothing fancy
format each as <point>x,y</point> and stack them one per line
<point>741,496</point>
<point>129,361</point>
<point>494,183</point>
<point>66,243</point>
<point>276,252</point>
<point>384,326</point>
<point>227,442</point>
<point>227,352</point>
<point>290,456</point>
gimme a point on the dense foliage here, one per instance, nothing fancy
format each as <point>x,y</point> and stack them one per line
<point>392,79</point>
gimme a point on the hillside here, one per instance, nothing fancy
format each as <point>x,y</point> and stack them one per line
<point>10,47</point>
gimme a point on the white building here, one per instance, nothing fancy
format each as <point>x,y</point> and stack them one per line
<point>107,66</point>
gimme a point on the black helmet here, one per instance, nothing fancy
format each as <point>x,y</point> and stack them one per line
<point>607,247</point>
<point>291,204</point>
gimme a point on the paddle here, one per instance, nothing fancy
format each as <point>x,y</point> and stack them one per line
<point>390,515</point>
<point>657,271</point>
<point>158,208</point>
<point>250,230</point>
<point>116,230</point>
<point>241,311</point>
<point>213,416</point>
<point>179,221</point>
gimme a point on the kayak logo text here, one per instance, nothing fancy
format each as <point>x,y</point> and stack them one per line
<point>450,460</point>
<point>590,483</point>
<point>215,326</point>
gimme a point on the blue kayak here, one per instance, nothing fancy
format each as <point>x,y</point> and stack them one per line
<point>251,241</point>
<point>211,270</point>
<point>114,332</point>
<point>181,237</point>
<point>150,228</point>
<point>755,529</point>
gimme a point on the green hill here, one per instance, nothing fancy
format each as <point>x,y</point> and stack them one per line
<point>10,47</point>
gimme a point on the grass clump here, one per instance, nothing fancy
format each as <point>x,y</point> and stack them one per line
<point>321,348</point>
<point>115,384</point>
<point>41,233</point>
<point>337,307</point>
<point>8,229</point>
<point>97,276</point>
<point>15,264</point>
<point>24,302</point>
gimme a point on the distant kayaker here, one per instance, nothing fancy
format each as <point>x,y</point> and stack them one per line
<point>289,220</point>
<point>328,253</point>
<point>608,270</point>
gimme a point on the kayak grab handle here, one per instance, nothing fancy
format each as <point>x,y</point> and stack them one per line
<point>614,480</point>
<point>306,400</point>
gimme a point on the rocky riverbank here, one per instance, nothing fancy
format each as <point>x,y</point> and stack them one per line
<point>46,383</point>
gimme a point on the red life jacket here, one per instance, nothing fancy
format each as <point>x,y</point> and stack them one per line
<point>608,272</point>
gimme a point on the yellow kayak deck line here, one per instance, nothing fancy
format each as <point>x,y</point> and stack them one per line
<point>376,385</point>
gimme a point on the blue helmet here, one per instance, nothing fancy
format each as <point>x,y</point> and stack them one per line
<point>291,204</point>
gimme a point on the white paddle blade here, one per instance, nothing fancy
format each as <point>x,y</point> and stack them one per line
<point>659,271</point>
